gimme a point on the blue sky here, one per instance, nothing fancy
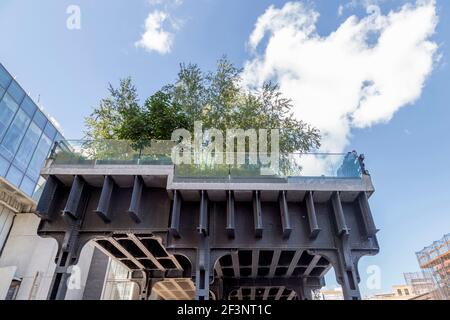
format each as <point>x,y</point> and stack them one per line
<point>406,148</point>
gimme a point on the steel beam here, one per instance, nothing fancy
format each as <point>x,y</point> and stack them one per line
<point>279,293</point>
<point>135,203</point>
<point>311,265</point>
<point>284,212</point>
<point>73,204</point>
<point>274,263</point>
<point>235,261</point>
<point>147,253</point>
<point>289,282</point>
<point>255,263</point>
<point>341,225</point>
<point>294,262</point>
<point>257,214</point>
<point>203,221</point>
<point>43,209</point>
<point>230,215</point>
<point>104,203</point>
<point>366,214</point>
<point>175,214</point>
<point>203,269</point>
<point>126,253</point>
<point>312,218</point>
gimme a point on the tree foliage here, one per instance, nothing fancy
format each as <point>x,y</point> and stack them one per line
<point>216,98</point>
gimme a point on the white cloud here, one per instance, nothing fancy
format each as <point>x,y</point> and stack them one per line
<point>155,37</point>
<point>160,26</point>
<point>357,76</point>
<point>167,3</point>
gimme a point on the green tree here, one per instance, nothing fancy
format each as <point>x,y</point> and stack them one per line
<point>219,100</point>
<point>106,121</point>
<point>216,98</point>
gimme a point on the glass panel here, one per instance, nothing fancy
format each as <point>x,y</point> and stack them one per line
<point>27,186</point>
<point>7,110</point>
<point>59,138</point>
<point>40,154</point>
<point>28,145</point>
<point>40,119</point>
<point>15,132</point>
<point>39,188</point>
<point>50,130</point>
<point>284,167</point>
<point>16,91</point>
<point>2,91</point>
<point>5,78</point>
<point>4,164</point>
<point>28,106</point>
<point>14,175</point>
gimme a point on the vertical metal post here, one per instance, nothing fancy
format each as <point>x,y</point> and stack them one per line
<point>175,215</point>
<point>284,212</point>
<point>312,217</point>
<point>230,215</point>
<point>135,204</point>
<point>104,203</point>
<point>257,214</point>
<point>203,269</point>
<point>67,254</point>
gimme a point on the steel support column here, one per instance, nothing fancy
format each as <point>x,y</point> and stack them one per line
<point>203,252</point>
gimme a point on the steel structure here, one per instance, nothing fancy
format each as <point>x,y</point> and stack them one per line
<point>203,238</point>
<point>420,282</point>
<point>435,259</point>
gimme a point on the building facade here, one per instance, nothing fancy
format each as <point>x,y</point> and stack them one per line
<point>435,260</point>
<point>27,261</point>
<point>421,282</point>
<point>26,135</point>
<point>26,138</point>
<point>399,292</point>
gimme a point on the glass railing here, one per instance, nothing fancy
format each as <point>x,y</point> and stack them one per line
<point>111,152</point>
<point>286,166</point>
<point>204,165</point>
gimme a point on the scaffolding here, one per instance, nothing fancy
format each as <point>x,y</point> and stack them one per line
<point>435,259</point>
<point>420,282</point>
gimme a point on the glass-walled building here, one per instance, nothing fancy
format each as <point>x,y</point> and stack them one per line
<point>26,135</point>
<point>26,138</point>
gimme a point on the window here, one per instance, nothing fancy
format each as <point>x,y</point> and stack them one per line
<point>4,164</point>
<point>399,291</point>
<point>7,110</point>
<point>15,132</point>
<point>40,119</point>
<point>27,146</point>
<point>16,91</point>
<point>50,130</point>
<point>14,176</point>
<point>28,106</point>
<point>59,138</point>
<point>13,290</point>
<point>5,78</point>
<point>40,154</point>
<point>28,186</point>
<point>406,292</point>
<point>2,91</point>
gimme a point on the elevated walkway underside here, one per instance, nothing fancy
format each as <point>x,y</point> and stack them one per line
<point>240,239</point>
